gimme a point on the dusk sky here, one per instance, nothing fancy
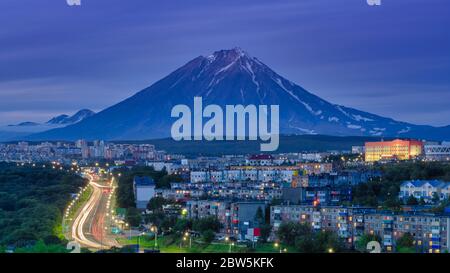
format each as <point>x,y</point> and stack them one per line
<point>392,60</point>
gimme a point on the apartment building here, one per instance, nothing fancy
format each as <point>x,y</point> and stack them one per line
<point>431,232</point>
<point>396,149</point>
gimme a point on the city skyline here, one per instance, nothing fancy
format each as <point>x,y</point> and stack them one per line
<point>58,59</point>
<point>226,133</point>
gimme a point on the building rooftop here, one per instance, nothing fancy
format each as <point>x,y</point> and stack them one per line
<point>143,181</point>
<point>420,183</point>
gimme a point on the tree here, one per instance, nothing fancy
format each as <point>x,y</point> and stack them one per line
<point>305,244</point>
<point>265,229</point>
<point>259,217</point>
<point>52,240</point>
<point>328,240</point>
<point>165,181</point>
<point>412,201</point>
<point>41,247</point>
<point>125,193</point>
<point>422,201</point>
<point>208,236</point>
<point>435,199</point>
<point>289,231</point>
<point>405,241</point>
<point>361,243</point>
<point>392,203</point>
<point>167,223</point>
<point>133,217</point>
<point>156,203</point>
<point>32,202</point>
<point>207,223</point>
<point>182,225</point>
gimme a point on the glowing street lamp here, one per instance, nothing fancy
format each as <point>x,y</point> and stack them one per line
<point>231,246</point>
<point>277,246</point>
<point>184,212</point>
<point>154,229</point>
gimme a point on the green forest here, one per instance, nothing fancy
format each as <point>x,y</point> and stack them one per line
<point>32,201</point>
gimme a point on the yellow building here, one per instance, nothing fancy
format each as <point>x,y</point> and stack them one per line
<point>396,149</point>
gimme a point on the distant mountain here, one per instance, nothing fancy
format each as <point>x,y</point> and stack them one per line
<point>24,124</point>
<point>58,119</point>
<point>24,129</point>
<point>77,117</point>
<point>233,77</point>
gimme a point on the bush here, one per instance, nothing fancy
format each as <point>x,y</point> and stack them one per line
<point>208,236</point>
<point>208,223</point>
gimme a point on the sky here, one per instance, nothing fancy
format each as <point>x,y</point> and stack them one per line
<point>392,60</point>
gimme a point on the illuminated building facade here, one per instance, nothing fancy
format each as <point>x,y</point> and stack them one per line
<point>436,151</point>
<point>396,149</point>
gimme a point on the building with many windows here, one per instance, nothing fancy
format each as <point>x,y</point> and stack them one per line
<point>425,189</point>
<point>396,149</point>
<point>438,152</point>
<point>431,232</point>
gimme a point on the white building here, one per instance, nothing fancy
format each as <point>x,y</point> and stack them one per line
<point>424,189</point>
<point>358,149</point>
<point>435,151</point>
<point>144,190</point>
<point>242,175</point>
<point>260,160</point>
<point>160,165</point>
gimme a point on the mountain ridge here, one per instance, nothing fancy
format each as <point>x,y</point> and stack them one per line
<point>77,117</point>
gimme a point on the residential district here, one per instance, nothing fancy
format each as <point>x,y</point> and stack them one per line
<point>314,189</point>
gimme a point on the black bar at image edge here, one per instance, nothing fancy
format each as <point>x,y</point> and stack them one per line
<point>226,262</point>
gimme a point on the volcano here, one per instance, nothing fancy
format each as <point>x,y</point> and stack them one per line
<point>233,77</point>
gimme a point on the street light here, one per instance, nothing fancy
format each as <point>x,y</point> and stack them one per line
<point>231,245</point>
<point>184,212</point>
<point>129,229</point>
<point>139,240</point>
<point>278,246</point>
<point>154,229</point>
<point>188,235</point>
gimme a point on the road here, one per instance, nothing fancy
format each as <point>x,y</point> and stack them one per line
<point>90,225</point>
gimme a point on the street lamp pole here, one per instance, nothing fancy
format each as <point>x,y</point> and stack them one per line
<point>278,245</point>
<point>139,241</point>
<point>154,229</point>
<point>231,245</point>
